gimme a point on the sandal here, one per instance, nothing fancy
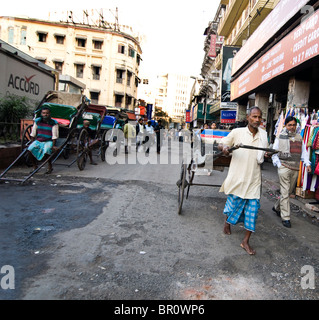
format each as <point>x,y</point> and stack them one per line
<point>49,171</point>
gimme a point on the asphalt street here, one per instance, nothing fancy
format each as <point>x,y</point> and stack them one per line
<point>112,232</point>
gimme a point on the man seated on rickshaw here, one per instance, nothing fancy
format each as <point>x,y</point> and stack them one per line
<point>45,132</point>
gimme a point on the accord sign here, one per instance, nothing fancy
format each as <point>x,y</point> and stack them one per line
<point>24,84</point>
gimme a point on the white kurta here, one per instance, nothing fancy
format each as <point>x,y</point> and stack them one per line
<point>244,175</point>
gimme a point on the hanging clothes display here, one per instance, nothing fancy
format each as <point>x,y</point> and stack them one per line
<point>309,130</point>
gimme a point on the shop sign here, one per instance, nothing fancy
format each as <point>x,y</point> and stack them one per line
<point>149,110</point>
<point>212,47</point>
<point>188,116</point>
<point>297,47</point>
<point>276,19</point>
<point>228,116</point>
<point>228,57</point>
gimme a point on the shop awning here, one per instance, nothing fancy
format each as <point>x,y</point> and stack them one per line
<point>131,116</point>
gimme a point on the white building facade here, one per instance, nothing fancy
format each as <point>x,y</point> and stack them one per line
<point>105,60</point>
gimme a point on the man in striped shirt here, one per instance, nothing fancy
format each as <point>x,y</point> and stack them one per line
<point>45,132</point>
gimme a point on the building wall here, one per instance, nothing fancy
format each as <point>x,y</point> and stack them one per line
<point>172,94</point>
<point>100,54</point>
<point>21,78</point>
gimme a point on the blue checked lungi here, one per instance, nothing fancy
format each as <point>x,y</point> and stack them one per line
<point>39,149</point>
<point>242,210</point>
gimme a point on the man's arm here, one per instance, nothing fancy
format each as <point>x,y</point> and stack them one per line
<point>55,136</point>
<point>33,133</point>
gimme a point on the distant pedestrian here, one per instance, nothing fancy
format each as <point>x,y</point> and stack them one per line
<point>291,151</point>
<point>149,135</point>
<point>213,125</point>
<point>159,135</point>
<point>140,131</point>
<point>129,135</point>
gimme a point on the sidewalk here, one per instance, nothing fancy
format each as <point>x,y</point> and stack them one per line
<point>270,185</point>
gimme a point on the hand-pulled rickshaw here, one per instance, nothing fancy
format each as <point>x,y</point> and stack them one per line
<point>66,109</point>
<point>103,119</point>
<point>205,155</point>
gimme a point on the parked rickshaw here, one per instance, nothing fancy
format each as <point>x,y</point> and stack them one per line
<point>66,109</point>
<point>103,119</point>
<point>95,114</point>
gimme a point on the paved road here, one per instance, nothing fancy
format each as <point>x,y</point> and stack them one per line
<point>113,232</point>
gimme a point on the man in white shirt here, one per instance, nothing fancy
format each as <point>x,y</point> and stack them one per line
<point>243,182</point>
<point>149,137</point>
<point>140,128</point>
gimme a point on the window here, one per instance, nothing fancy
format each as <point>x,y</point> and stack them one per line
<point>58,66</point>
<point>94,96</point>
<point>119,76</point>
<point>23,39</point>
<point>118,100</point>
<point>41,59</point>
<point>79,70</point>
<point>138,59</point>
<point>137,81</point>
<point>96,72</point>
<point>10,35</point>
<point>59,39</point>
<point>97,44</point>
<point>42,36</point>
<point>81,42</point>
<point>131,52</point>
<point>121,49</point>
<point>128,101</point>
<point>128,80</point>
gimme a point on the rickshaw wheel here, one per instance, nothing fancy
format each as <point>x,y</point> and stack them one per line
<point>26,138</point>
<point>69,146</point>
<point>82,149</point>
<point>181,187</point>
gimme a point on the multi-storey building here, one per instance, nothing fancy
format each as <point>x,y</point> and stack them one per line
<point>234,22</point>
<point>106,60</point>
<point>173,94</point>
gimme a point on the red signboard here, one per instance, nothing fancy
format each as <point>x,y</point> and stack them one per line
<point>212,48</point>
<point>277,18</point>
<point>188,116</point>
<point>298,46</point>
<point>142,110</point>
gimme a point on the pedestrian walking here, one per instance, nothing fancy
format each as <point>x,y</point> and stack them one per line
<point>149,135</point>
<point>140,128</point>
<point>243,181</point>
<point>159,135</point>
<point>129,135</point>
<point>292,150</point>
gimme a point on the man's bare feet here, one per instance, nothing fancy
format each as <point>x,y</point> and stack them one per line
<point>248,248</point>
<point>227,228</point>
